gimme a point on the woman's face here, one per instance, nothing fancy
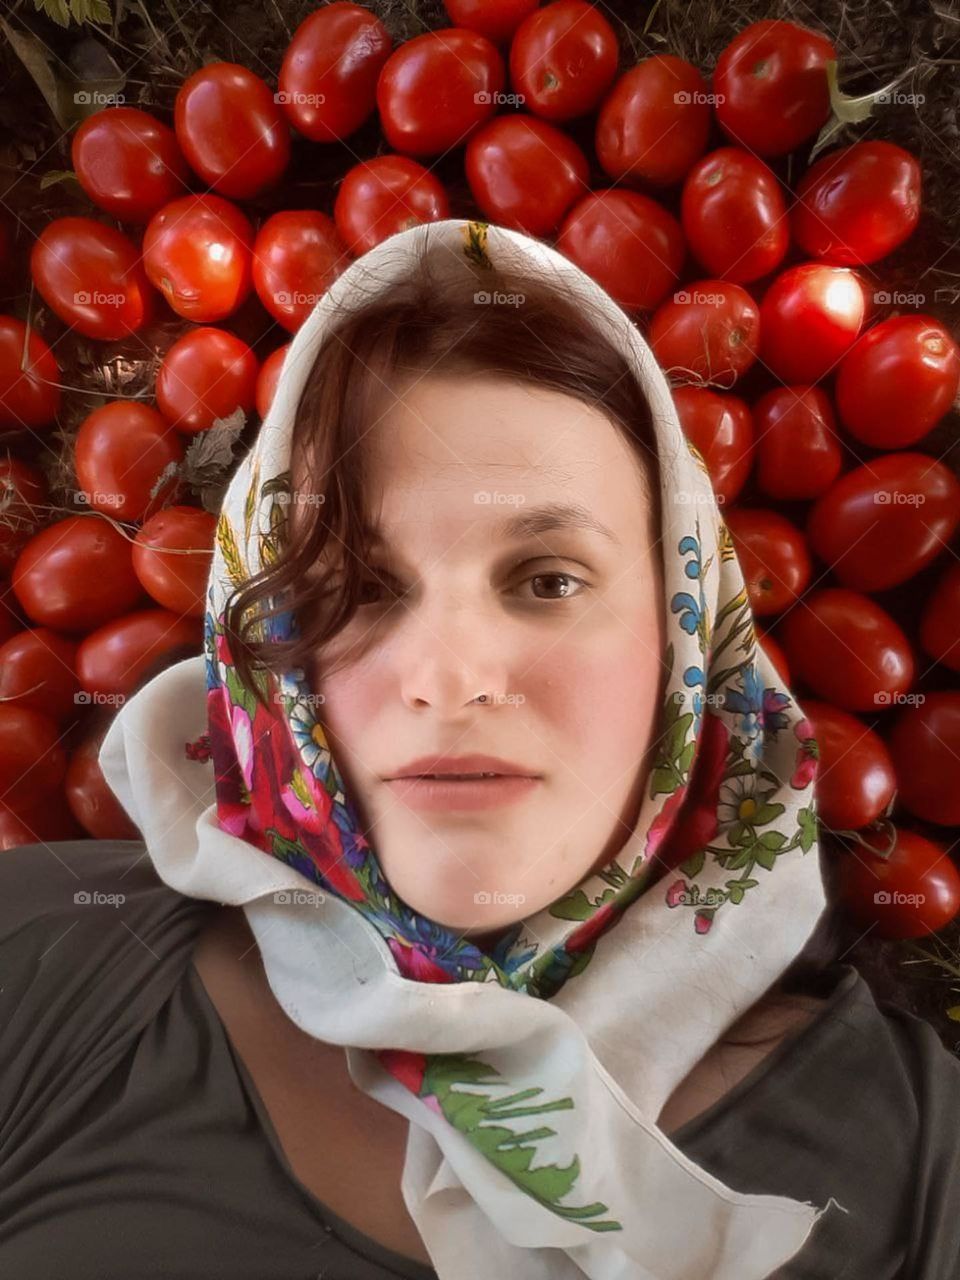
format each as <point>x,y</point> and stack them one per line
<point>561,628</point>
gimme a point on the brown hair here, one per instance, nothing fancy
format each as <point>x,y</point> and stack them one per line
<point>425,323</point>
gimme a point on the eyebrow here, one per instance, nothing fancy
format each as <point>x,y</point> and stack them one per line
<point>544,519</point>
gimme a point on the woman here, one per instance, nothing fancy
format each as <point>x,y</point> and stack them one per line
<point>535,1024</point>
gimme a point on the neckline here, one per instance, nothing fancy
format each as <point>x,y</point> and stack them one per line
<point>845,990</point>
<point>397,1263</point>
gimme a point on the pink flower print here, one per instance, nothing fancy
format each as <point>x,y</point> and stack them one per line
<point>808,756</point>
<point>703,920</point>
<point>241,731</point>
<point>677,893</point>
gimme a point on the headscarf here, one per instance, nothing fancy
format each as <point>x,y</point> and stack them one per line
<point>532,1072</point>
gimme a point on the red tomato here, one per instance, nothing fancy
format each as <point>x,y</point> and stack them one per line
<point>198,252</point>
<point>94,805</point>
<point>913,892</point>
<point>495,19</point>
<point>734,215</point>
<point>328,77</point>
<point>267,379</point>
<point>898,381</point>
<point>92,277</point>
<point>172,555</point>
<point>885,521</point>
<point>29,378</point>
<point>773,557</point>
<point>75,575</point>
<point>32,761</point>
<point>525,173</point>
<point>776,655</point>
<point>798,452</point>
<point>112,660</point>
<point>206,375</point>
<point>940,623</point>
<point>45,821</point>
<point>809,319</point>
<point>925,745</point>
<point>627,242</point>
<point>121,451</point>
<point>23,506</point>
<point>231,130</point>
<point>297,255</point>
<point>10,624</point>
<point>847,649</point>
<point>128,162</point>
<point>708,332</point>
<point>771,86</point>
<point>379,197</point>
<point>654,122</point>
<point>437,88</point>
<point>721,427</point>
<point>563,59</point>
<point>858,203</point>
<point>38,670</point>
<point>855,780</point>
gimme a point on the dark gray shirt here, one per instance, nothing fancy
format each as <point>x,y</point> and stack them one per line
<point>134,1143</point>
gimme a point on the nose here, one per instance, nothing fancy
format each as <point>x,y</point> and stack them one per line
<point>450,655</point>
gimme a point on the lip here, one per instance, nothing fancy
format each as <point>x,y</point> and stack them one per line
<point>447,793</point>
<point>460,764</point>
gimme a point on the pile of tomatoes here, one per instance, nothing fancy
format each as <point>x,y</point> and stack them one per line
<point>806,385</point>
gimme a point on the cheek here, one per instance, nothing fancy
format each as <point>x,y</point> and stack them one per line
<point>352,704</point>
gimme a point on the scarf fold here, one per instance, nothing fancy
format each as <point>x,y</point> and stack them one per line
<point>532,1073</point>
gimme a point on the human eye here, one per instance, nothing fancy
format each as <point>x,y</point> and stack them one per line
<point>557,576</point>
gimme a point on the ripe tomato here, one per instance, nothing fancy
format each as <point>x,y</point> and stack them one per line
<point>925,745</point>
<point>44,821</point>
<point>328,77</point>
<point>525,173</point>
<point>91,276</point>
<point>172,555</point>
<point>855,780</point>
<point>914,892</point>
<point>113,659</point>
<point>885,521</point>
<point>563,59</point>
<point>898,381</point>
<point>267,379</point>
<point>10,624</point>
<point>809,319</point>
<point>198,253</point>
<point>858,203</point>
<point>708,332</point>
<point>38,669</point>
<point>847,649</point>
<point>771,86</point>
<point>654,122</point>
<point>23,507</point>
<point>437,88</point>
<point>773,557</point>
<point>379,197</point>
<point>29,378</point>
<point>798,452</point>
<point>495,19</point>
<point>231,130</point>
<point>940,623</point>
<point>91,801</point>
<point>721,427</point>
<point>297,255</point>
<point>121,451</point>
<point>32,761</point>
<point>776,655</point>
<point>627,242</point>
<point>76,575</point>
<point>206,375</point>
<point>734,215</point>
<point>128,162</point>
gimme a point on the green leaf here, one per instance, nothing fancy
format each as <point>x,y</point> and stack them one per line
<point>662,779</point>
<point>808,829</point>
<point>694,864</point>
<point>766,813</point>
<point>57,175</point>
<point>773,840</point>
<point>575,906</point>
